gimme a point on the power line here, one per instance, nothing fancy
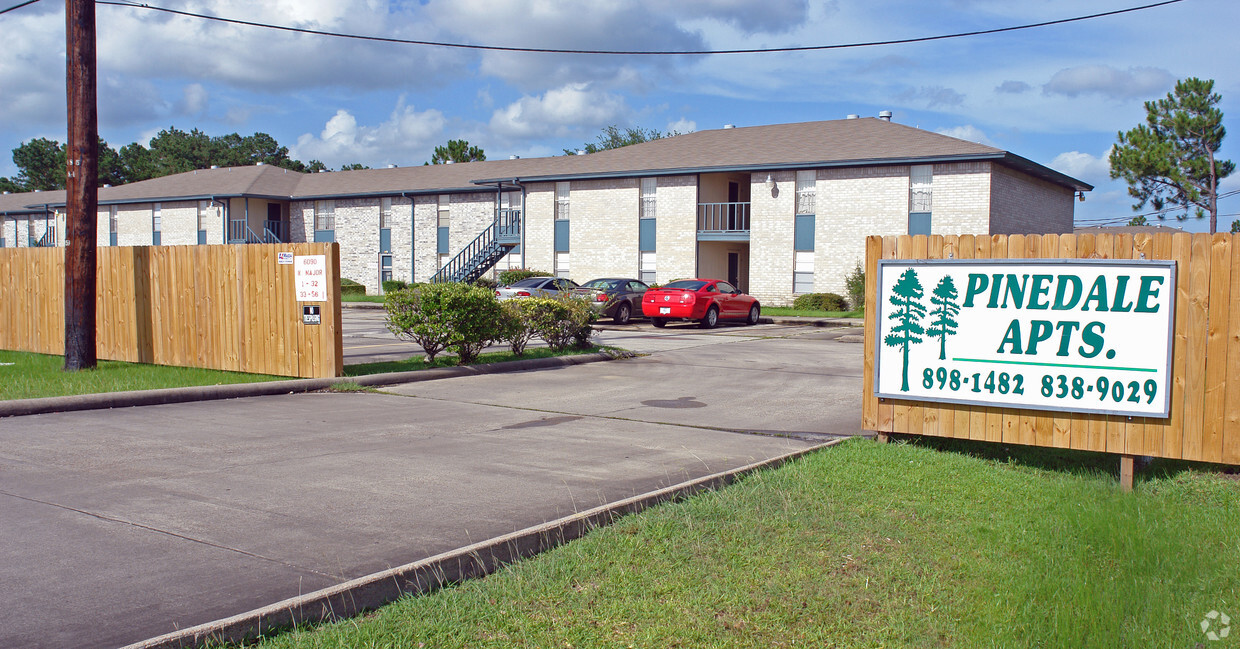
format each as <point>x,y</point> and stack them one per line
<point>497,48</point>
<point>18,6</point>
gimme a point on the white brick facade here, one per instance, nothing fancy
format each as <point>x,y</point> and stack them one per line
<point>1022,204</point>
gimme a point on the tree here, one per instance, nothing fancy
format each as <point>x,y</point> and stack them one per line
<point>1235,225</point>
<point>1138,220</point>
<point>906,297</point>
<point>613,138</point>
<point>40,165</point>
<point>457,151</point>
<point>1170,160</point>
<point>943,313</point>
<point>353,167</point>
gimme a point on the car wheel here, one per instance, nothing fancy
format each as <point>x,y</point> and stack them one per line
<point>711,319</point>
<point>659,322</point>
<point>754,314</point>
<point>623,313</point>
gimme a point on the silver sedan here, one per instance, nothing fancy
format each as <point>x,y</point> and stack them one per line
<point>536,287</point>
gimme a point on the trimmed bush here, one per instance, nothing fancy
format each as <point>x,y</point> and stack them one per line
<point>855,284</point>
<point>821,302</point>
<point>449,315</point>
<point>487,283</point>
<point>350,287</point>
<point>518,329</point>
<point>506,278</point>
<point>392,285</point>
<point>561,321</point>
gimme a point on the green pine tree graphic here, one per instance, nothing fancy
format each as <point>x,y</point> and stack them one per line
<point>909,312</point>
<point>943,313</point>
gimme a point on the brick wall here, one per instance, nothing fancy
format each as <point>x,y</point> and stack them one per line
<point>961,199</point>
<point>540,225</point>
<point>357,232</point>
<point>425,241</point>
<point>772,224</point>
<point>852,203</point>
<point>401,226</point>
<point>179,223</point>
<point>676,228</point>
<point>603,228</point>
<point>1022,204</point>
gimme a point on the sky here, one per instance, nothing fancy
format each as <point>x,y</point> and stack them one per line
<point>1057,95</point>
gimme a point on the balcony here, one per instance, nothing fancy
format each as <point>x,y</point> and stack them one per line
<point>723,222</point>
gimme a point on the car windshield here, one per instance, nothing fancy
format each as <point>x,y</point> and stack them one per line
<point>529,282</point>
<point>686,284</point>
<point>600,283</point>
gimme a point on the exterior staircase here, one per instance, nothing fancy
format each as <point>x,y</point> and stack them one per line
<point>483,252</point>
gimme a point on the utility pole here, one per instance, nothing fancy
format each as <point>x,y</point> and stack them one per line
<point>82,179</point>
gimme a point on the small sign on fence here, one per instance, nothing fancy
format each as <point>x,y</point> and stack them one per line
<point>284,258</point>
<point>311,315</point>
<point>311,273</point>
<point>1046,334</point>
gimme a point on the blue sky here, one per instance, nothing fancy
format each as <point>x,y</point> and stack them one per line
<point>1056,95</point>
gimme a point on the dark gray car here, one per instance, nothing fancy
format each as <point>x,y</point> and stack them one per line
<point>618,298</point>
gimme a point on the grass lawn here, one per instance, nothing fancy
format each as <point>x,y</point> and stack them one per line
<point>362,298</point>
<point>863,545</point>
<point>41,375</point>
<point>789,311</point>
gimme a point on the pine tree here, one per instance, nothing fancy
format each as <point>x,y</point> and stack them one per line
<point>908,330</point>
<point>1170,160</point>
<point>943,313</point>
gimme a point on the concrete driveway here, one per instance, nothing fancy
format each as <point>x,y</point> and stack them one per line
<point>122,525</point>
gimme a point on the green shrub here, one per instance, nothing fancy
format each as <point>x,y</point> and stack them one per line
<point>821,302</point>
<point>391,285</point>
<point>506,278</point>
<point>855,284</point>
<point>518,328</point>
<point>561,321</point>
<point>448,315</point>
<point>350,287</point>
<point>487,283</point>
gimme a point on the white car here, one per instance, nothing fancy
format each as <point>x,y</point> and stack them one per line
<point>536,287</point>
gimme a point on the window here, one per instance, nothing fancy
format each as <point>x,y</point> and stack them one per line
<point>921,177</point>
<point>919,223</point>
<point>324,221</point>
<point>385,213</point>
<point>155,224</point>
<point>441,234</point>
<point>385,225</point>
<point>561,247</point>
<point>647,208</point>
<point>803,254</point>
<point>561,201</point>
<point>385,270</point>
<point>111,226</point>
<point>646,250</point>
<point>807,182</point>
<point>204,212</point>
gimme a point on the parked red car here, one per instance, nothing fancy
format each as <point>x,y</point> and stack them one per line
<point>706,300</point>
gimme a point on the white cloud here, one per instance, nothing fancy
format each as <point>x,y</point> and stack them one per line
<point>569,111</point>
<point>967,132</point>
<point>934,96</point>
<point>682,126</point>
<point>1094,170</point>
<point>403,139</point>
<point>1113,83</point>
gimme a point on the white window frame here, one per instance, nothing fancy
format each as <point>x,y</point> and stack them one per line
<point>156,218</point>
<point>444,212</point>
<point>920,188</point>
<point>385,213</point>
<point>561,201</point>
<point>806,188</point>
<point>648,192</point>
<point>324,215</point>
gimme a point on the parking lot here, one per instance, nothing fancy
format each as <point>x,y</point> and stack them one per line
<point>125,524</point>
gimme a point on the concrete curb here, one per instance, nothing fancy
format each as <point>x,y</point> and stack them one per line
<point>104,400</point>
<point>420,577</point>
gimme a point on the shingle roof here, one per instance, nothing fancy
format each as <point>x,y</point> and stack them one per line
<point>846,142</point>
<point>29,202</point>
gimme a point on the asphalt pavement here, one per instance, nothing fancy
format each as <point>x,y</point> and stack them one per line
<point>124,524</point>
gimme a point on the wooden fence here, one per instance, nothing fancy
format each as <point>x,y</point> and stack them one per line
<point>1205,401</point>
<point>219,307</point>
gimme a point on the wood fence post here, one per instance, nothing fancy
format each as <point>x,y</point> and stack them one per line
<point>1125,472</point>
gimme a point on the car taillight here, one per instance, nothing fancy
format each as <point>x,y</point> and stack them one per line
<point>687,298</point>
<point>523,293</point>
<point>601,297</point>
<point>497,293</point>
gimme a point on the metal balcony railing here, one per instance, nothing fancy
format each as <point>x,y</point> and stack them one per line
<point>723,218</point>
<point>485,250</point>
